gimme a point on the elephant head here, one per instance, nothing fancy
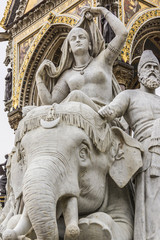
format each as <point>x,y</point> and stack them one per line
<point>69,150</point>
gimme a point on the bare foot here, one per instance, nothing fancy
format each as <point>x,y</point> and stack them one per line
<point>72,232</point>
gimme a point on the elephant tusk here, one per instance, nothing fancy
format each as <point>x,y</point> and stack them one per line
<point>50,124</point>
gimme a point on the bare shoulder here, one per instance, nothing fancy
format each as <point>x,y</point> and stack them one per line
<point>134,92</point>
<point>126,93</point>
<point>130,92</point>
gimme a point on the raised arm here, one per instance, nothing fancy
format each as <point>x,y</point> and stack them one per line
<point>60,90</point>
<point>115,46</point>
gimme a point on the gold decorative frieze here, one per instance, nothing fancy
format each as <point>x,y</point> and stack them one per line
<point>53,19</point>
<point>120,10</point>
<point>2,22</point>
<point>136,25</point>
<point>62,7</point>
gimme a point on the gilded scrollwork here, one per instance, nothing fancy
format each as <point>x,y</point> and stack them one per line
<point>5,13</point>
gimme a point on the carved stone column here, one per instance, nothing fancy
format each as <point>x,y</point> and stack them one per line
<point>124,73</point>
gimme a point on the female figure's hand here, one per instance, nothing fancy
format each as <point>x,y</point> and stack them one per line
<point>46,66</point>
<point>94,11</point>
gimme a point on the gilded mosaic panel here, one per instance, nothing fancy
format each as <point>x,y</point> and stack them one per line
<point>23,48</point>
<point>77,10</point>
<point>31,4</point>
<point>131,7</point>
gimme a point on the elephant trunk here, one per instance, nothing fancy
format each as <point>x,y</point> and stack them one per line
<point>45,182</point>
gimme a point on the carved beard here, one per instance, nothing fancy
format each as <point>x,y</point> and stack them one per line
<point>150,80</point>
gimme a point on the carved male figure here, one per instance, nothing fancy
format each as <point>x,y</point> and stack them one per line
<point>141,109</point>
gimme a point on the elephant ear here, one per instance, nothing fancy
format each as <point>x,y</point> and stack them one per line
<point>126,154</point>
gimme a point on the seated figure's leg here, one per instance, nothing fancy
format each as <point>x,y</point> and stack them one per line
<point>79,96</point>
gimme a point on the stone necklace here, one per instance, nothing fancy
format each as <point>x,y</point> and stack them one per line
<point>81,68</point>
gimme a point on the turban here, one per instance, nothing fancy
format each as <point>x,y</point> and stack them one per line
<point>147,56</point>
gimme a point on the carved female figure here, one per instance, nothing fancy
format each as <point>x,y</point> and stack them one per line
<point>85,65</point>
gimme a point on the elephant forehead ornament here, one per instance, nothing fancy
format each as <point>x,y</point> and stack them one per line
<point>81,116</point>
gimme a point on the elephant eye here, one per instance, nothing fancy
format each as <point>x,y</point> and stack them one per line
<point>84,151</point>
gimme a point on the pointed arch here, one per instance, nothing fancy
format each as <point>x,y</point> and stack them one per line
<point>137,24</point>
<point>46,43</point>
